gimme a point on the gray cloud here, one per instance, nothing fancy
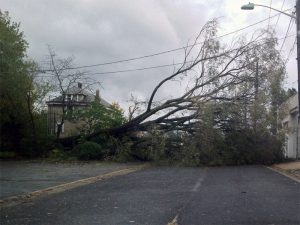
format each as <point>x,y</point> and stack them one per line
<point>107,30</point>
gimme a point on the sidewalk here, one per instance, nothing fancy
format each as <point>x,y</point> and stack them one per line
<point>290,168</point>
<point>22,177</point>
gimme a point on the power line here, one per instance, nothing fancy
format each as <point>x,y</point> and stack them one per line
<point>160,66</point>
<point>163,52</point>
<point>269,15</point>
<point>286,34</point>
<point>165,65</point>
<point>139,69</point>
<point>279,14</point>
<point>291,51</point>
<point>167,51</point>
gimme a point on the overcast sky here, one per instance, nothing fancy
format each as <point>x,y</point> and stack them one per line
<point>97,31</point>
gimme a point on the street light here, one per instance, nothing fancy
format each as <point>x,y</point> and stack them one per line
<point>250,6</point>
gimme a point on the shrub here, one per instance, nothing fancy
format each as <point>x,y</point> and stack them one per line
<point>35,147</point>
<point>151,148</point>
<point>57,154</point>
<point>123,149</point>
<point>89,151</point>
<point>242,147</point>
<point>7,155</point>
<point>246,147</point>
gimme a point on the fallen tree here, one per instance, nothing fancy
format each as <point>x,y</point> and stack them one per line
<point>216,73</point>
<point>224,116</point>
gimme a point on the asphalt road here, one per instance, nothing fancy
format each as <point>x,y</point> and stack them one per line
<point>156,196</point>
<point>21,177</point>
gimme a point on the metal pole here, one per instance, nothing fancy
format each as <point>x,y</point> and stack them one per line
<point>256,81</point>
<point>298,66</point>
<point>287,14</point>
<point>255,96</point>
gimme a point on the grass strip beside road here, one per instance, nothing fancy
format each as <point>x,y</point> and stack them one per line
<point>288,173</point>
<point>18,199</point>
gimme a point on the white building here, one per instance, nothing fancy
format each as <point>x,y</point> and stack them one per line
<point>76,98</point>
<point>290,124</point>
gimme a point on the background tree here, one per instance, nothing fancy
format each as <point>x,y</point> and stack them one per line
<point>264,87</point>
<point>17,88</point>
<point>97,117</point>
<point>65,78</point>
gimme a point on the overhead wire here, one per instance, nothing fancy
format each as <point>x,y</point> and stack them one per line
<point>269,14</point>
<point>158,53</point>
<point>291,51</point>
<point>161,66</point>
<point>167,51</point>
<point>279,14</point>
<point>286,34</point>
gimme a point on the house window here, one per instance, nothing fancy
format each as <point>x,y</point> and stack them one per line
<point>69,97</point>
<point>62,127</point>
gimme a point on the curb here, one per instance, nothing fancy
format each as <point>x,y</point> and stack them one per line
<point>18,199</point>
<point>284,173</point>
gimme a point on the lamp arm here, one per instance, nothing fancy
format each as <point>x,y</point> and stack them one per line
<point>287,14</point>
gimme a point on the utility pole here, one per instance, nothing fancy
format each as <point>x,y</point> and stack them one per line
<point>250,6</point>
<point>256,81</point>
<point>298,65</point>
<point>255,96</point>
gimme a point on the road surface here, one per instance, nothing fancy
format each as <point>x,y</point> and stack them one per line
<point>21,177</point>
<point>164,195</point>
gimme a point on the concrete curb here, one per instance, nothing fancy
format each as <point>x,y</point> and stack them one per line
<point>18,199</point>
<point>284,173</point>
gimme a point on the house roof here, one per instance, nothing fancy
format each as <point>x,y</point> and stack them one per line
<point>76,91</point>
<point>88,97</point>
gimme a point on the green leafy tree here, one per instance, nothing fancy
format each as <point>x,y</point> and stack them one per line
<point>18,91</point>
<point>97,117</point>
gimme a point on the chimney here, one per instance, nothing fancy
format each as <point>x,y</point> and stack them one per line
<point>97,93</point>
<point>79,85</point>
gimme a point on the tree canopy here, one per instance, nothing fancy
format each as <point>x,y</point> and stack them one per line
<point>17,90</point>
<point>240,75</point>
<point>231,98</point>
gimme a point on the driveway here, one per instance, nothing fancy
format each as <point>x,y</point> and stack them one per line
<point>166,195</point>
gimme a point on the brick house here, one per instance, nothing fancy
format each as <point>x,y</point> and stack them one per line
<point>76,98</point>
